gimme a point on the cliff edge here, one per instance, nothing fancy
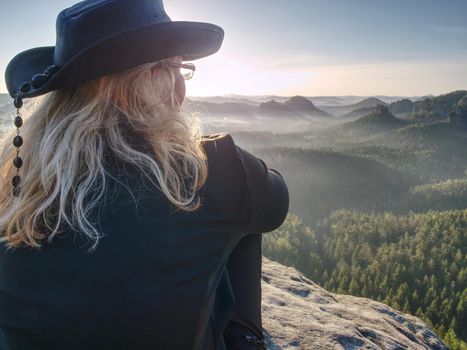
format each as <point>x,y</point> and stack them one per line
<point>299,314</point>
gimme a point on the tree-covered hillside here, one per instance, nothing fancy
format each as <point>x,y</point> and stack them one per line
<point>416,263</point>
<point>371,173</point>
<point>437,108</point>
<point>324,180</point>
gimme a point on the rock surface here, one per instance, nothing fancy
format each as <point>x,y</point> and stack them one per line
<point>299,314</point>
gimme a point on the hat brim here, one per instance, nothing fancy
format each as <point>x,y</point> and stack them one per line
<point>121,51</point>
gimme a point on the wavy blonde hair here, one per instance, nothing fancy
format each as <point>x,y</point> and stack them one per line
<point>69,132</point>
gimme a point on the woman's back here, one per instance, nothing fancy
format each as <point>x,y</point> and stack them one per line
<point>89,269</point>
<point>154,278</point>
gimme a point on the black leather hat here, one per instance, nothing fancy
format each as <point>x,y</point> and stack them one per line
<point>100,37</point>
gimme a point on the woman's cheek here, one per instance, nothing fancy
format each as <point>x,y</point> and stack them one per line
<point>180,88</point>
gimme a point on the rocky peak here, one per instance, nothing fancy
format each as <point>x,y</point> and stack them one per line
<point>300,103</point>
<point>381,110</point>
<point>272,106</point>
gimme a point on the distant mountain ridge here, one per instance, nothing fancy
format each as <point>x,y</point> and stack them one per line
<point>378,120</point>
<point>319,101</point>
<point>242,109</point>
<point>295,104</point>
<point>368,102</point>
<point>298,106</point>
<point>427,109</point>
<point>359,112</point>
<point>358,109</point>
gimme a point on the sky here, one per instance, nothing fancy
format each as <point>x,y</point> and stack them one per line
<point>297,47</point>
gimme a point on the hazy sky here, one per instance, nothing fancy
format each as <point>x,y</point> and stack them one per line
<point>308,47</point>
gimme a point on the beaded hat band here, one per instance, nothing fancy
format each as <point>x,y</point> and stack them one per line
<point>36,82</point>
<point>17,142</point>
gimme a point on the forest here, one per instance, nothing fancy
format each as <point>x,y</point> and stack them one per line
<point>415,262</point>
<point>379,207</point>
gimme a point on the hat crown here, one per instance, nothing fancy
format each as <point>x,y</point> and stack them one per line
<point>90,21</point>
<point>96,38</point>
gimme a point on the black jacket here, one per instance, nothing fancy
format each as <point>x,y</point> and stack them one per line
<point>158,279</point>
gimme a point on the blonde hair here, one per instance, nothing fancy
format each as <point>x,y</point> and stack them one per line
<point>70,132</point>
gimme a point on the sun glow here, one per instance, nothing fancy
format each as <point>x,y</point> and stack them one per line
<point>221,75</point>
<point>218,75</point>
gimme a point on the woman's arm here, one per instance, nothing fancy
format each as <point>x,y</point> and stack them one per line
<point>268,193</point>
<point>268,204</point>
<point>244,330</point>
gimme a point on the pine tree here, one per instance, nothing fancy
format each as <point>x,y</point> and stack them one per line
<point>415,300</point>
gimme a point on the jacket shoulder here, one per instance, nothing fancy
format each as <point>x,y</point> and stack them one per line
<point>219,143</point>
<point>226,183</point>
<point>267,197</point>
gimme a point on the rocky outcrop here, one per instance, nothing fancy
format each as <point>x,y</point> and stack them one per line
<point>299,314</point>
<point>272,107</point>
<point>401,107</point>
<point>380,119</point>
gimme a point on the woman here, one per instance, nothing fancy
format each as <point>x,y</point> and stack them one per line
<point>126,228</point>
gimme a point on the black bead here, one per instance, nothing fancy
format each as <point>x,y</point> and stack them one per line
<point>50,70</point>
<point>18,102</point>
<point>16,191</point>
<point>25,87</point>
<point>18,141</point>
<point>16,180</point>
<point>18,122</point>
<point>18,162</point>
<point>38,80</point>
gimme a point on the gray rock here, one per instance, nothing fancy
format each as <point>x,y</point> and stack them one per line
<point>299,314</point>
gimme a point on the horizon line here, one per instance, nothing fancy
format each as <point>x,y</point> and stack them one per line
<point>305,95</point>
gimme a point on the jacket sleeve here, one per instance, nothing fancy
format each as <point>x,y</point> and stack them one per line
<point>268,194</point>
